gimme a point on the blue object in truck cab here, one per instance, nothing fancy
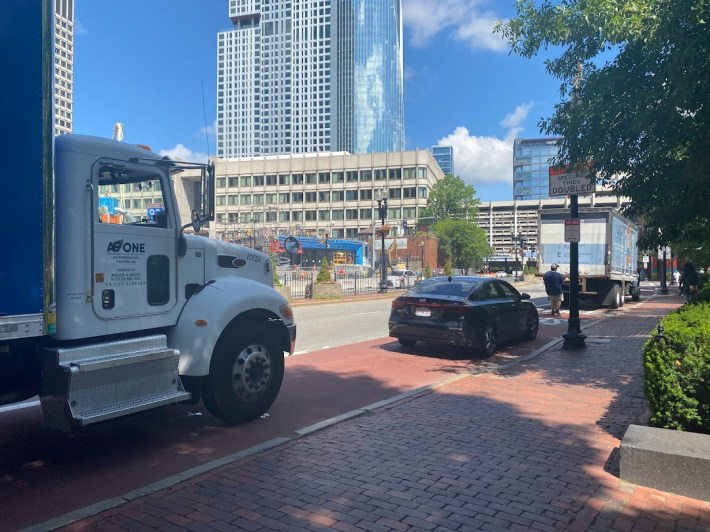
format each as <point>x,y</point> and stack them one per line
<point>28,152</point>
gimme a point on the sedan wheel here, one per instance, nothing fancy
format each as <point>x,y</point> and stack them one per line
<point>489,343</point>
<point>406,342</point>
<point>532,326</point>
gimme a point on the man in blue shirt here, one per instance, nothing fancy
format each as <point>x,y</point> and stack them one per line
<point>553,286</point>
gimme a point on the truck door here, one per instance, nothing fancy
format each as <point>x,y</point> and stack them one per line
<point>134,242</point>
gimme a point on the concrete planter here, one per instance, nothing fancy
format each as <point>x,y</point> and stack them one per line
<point>327,291</point>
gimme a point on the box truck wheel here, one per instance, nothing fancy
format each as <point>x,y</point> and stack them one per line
<point>615,297</point>
<point>246,372</point>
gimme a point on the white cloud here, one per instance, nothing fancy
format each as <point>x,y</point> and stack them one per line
<point>79,28</point>
<point>486,159</point>
<point>468,21</point>
<point>183,153</point>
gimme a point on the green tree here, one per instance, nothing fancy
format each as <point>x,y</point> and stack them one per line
<point>324,274</point>
<point>461,243</point>
<point>450,198</point>
<point>640,109</point>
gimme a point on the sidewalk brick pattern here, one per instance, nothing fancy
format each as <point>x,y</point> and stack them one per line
<point>532,448</point>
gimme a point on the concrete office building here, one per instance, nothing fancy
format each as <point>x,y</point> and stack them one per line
<point>501,220</point>
<point>444,155</point>
<point>531,164</point>
<point>310,76</point>
<point>63,65</point>
<point>314,194</point>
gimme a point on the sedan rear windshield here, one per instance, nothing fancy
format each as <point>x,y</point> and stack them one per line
<point>445,288</point>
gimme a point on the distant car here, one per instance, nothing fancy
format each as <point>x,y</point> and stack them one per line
<point>401,278</point>
<point>501,274</point>
<point>474,312</point>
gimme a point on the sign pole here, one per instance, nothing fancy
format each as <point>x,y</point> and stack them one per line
<point>573,338</point>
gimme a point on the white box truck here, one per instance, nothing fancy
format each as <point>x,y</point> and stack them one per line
<point>103,314</point>
<point>608,253</point>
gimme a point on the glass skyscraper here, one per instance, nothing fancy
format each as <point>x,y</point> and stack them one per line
<point>444,155</point>
<point>531,164</point>
<point>310,76</point>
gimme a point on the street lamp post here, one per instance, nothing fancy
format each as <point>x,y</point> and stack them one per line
<point>516,239</point>
<point>421,249</point>
<point>381,197</point>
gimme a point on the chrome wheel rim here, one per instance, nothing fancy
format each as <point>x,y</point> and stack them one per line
<point>252,372</point>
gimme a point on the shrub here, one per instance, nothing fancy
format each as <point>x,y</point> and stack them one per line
<point>324,275</point>
<point>448,267</point>
<point>277,279</point>
<point>427,271</point>
<point>529,270</point>
<point>677,370</point>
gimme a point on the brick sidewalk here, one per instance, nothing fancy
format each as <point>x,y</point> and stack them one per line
<point>534,447</point>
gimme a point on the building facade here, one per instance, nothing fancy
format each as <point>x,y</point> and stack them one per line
<point>310,76</point>
<point>444,155</point>
<point>315,194</point>
<point>531,164</point>
<point>63,66</point>
<point>509,222</point>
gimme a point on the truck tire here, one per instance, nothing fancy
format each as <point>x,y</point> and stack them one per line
<point>246,373</point>
<point>622,295</point>
<point>615,297</point>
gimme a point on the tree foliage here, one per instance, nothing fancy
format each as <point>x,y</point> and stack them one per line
<point>451,198</point>
<point>462,244</point>
<point>640,111</point>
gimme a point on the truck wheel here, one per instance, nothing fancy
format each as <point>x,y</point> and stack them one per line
<point>615,296</point>
<point>245,376</point>
<point>489,342</point>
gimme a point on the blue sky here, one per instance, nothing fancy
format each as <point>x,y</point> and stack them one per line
<point>151,65</point>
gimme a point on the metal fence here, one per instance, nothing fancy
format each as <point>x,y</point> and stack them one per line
<point>352,283</point>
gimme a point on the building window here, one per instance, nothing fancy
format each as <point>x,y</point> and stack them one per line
<point>297,197</point>
<point>324,177</point>
<point>284,197</point>
<point>337,214</point>
<point>311,197</point>
<point>245,181</point>
<point>324,196</point>
<point>395,173</point>
<point>380,174</point>
<point>422,192</point>
<point>324,215</point>
<point>311,179</point>
<point>351,214</point>
<point>221,182</point>
<point>366,214</point>
<point>271,180</point>
<point>245,199</point>
<point>365,175</point>
<point>351,176</point>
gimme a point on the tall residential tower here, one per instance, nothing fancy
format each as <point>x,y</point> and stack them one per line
<point>310,76</point>
<point>63,65</point>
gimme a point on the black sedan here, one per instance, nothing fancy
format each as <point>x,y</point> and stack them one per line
<point>475,312</point>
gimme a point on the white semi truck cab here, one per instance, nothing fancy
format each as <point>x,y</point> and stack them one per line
<point>108,306</point>
<point>144,314</point>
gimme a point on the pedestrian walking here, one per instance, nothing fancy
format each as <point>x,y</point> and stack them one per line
<point>553,287</point>
<point>676,278</point>
<point>689,282</point>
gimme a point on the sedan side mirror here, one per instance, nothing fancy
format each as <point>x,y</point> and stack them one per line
<point>524,296</point>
